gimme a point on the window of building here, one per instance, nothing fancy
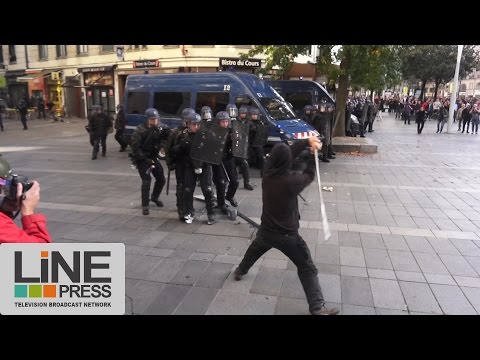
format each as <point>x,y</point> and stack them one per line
<point>61,50</point>
<point>43,52</point>
<point>171,104</point>
<point>478,86</point>
<point>107,48</point>
<point>11,54</point>
<point>137,102</point>
<point>463,87</point>
<point>470,86</point>
<point>216,101</point>
<point>82,49</point>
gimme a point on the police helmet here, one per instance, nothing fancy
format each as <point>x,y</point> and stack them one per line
<point>185,112</point>
<point>243,110</point>
<point>152,113</point>
<point>222,115</point>
<point>193,118</point>
<point>254,111</point>
<point>232,110</point>
<point>4,168</point>
<point>206,113</point>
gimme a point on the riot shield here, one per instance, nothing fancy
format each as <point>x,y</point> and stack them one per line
<point>261,135</point>
<point>240,139</point>
<point>208,143</point>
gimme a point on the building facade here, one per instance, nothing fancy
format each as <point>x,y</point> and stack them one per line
<point>76,77</point>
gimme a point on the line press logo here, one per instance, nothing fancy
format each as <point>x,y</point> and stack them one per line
<point>81,278</point>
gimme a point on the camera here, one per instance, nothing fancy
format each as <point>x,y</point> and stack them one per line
<point>11,182</point>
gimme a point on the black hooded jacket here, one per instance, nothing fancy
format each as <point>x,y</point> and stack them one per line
<point>281,187</point>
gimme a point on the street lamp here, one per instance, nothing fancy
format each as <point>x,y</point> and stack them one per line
<point>453,95</point>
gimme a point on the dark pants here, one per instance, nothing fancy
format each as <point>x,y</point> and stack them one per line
<point>23,119</point>
<point>259,156</point>
<point>233,177</point>
<point>219,179</point>
<point>243,165</point>
<point>41,111</point>
<point>119,138</point>
<point>296,249</point>
<point>179,175</point>
<point>420,124</point>
<point>190,184</point>
<point>1,122</point>
<point>96,140</point>
<point>157,172</point>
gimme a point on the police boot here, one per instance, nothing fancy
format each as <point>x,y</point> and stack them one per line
<point>324,158</point>
<point>330,150</point>
<point>156,201</point>
<point>211,219</point>
<point>145,210</point>
<point>232,200</point>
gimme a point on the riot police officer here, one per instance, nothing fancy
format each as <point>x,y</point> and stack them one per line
<point>146,141</point>
<point>227,168</point>
<point>241,162</point>
<point>98,125</point>
<point>172,162</point>
<point>206,113</point>
<point>193,170</point>
<point>321,123</point>
<point>307,114</point>
<point>258,136</point>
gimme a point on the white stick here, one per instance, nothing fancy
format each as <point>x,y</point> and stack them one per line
<point>326,229</point>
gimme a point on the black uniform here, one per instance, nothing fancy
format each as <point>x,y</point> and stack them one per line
<point>120,123</point>
<point>256,148</point>
<point>98,124</point>
<point>280,219</point>
<point>145,147</point>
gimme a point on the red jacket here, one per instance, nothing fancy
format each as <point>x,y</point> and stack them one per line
<point>34,229</point>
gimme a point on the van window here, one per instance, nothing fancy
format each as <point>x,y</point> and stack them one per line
<point>137,102</point>
<point>171,104</point>
<point>217,101</point>
<point>299,99</point>
<point>276,109</point>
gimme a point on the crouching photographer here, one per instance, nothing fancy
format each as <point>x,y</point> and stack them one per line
<point>17,195</point>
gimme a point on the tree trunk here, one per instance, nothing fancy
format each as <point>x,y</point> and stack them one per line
<point>342,98</point>
<point>436,90</point>
<point>422,92</point>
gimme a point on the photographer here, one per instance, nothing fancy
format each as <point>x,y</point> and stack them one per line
<point>34,225</point>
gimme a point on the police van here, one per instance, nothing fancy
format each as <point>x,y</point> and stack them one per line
<point>299,93</point>
<point>171,93</point>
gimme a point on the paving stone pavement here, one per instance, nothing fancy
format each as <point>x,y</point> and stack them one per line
<point>405,226</point>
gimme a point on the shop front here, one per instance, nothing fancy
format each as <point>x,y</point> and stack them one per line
<point>15,90</point>
<point>99,88</point>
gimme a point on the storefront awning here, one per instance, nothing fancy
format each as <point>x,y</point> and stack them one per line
<point>32,74</point>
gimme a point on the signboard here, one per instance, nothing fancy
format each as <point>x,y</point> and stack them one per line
<point>146,63</point>
<point>96,69</point>
<point>237,62</point>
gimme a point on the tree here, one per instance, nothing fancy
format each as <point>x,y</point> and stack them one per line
<point>370,66</point>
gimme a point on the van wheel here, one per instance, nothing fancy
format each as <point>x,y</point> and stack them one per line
<point>162,154</point>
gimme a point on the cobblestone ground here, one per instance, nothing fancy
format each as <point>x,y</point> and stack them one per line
<point>405,226</point>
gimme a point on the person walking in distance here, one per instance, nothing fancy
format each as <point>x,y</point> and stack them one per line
<point>280,219</point>
<point>120,122</point>
<point>146,141</point>
<point>98,125</point>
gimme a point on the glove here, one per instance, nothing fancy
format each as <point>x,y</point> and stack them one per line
<point>198,171</point>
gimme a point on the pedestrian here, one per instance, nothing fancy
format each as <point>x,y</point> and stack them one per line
<point>1,121</point>
<point>23,110</point>
<point>146,141</point>
<point>41,108</point>
<point>420,119</point>
<point>34,225</point>
<point>98,124</point>
<point>120,123</point>
<point>280,219</point>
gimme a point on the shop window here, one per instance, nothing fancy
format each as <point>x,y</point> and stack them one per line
<point>138,47</point>
<point>216,101</point>
<point>137,102</point>
<point>61,50</point>
<point>42,52</point>
<point>171,104</point>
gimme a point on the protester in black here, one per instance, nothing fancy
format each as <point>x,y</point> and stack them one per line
<point>280,220</point>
